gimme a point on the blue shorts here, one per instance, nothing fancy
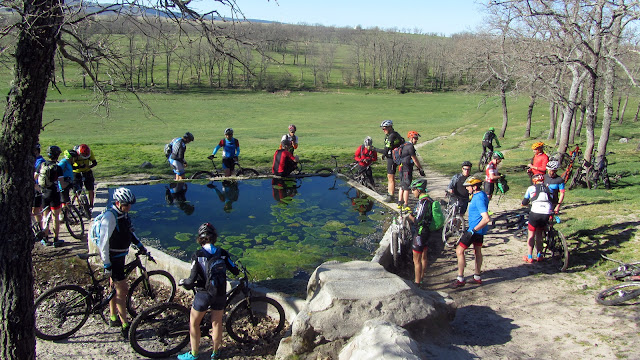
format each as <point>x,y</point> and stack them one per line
<point>178,167</point>
<point>202,301</point>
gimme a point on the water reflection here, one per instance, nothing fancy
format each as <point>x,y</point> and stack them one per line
<point>176,193</point>
<point>284,189</point>
<point>362,203</point>
<point>228,195</point>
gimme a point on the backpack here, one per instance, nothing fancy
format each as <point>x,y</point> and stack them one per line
<point>396,154</point>
<point>94,233</point>
<point>437,216</point>
<point>543,194</point>
<point>47,175</point>
<point>216,272</point>
<point>168,148</point>
<point>503,187</point>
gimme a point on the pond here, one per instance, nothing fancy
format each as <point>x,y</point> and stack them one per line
<point>277,228</point>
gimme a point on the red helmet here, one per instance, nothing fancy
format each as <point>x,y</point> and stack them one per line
<point>537,179</point>
<point>84,151</point>
<point>413,134</point>
<point>292,128</point>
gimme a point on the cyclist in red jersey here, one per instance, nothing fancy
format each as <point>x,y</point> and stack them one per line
<point>491,174</point>
<point>538,165</point>
<point>283,161</point>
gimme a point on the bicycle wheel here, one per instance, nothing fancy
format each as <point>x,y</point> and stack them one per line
<point>622,272</point>
<point>395,249</point>
<point>618,294</point>
<point>255,319</point>
<point>452,231</point>
<point>61,311</point>
<point>324,172</point>
<point>576,179</point>
<point>157,288</point>
<point>557,249</point>
<point>73,221</point>
<point>202,175</point>
<point>248,172</point>
<point>84,207</point>
<point>481,163</point>
<point>160,331</point>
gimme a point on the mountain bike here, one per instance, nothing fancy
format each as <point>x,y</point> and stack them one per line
<point>485,158</point>
<point>80,197</point>
<point>454,223</point>
<point>568,166</point>
<point>163,330</point>
<point>240,171</point>
<point>400,239</point>
<point>580,176</point>
<point>598,174</point>
<point>64,309</point>
<point>618,294</point>
<point>625,271</point>
<point>554,246</point>
<point>352,171</point>
<point>71,218</point>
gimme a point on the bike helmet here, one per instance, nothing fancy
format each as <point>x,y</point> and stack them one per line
<point>368,141</point>
<point>471,181</point>
<point>69,154</point>
<point>537,179</point>
<point>386,123</point>
<point>498,155</point>
<point>188,136</point>
<point>84,151</point>
<point>207,230</point>
<point>228,131</point>
<point>124,196</point>
<point>53,152</point>
<point>413,134</point>
<point>492,129</point>
<point>552,165</point>
<point>419,184</point>
<point>292,128</point>
<point>286,143</point>
<point>467,163</point>
<point>537,145</point>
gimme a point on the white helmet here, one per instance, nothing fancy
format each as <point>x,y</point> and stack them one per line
<point>124,196</point>
<point>552,165</point>
<point>386,123</point>
<point>368,141</point>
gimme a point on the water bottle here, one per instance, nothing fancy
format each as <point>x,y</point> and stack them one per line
<point>557,218</point>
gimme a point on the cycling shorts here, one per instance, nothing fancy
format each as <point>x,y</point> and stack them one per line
<point>202,301</point>
<point>489,188</point>
<point>391,166</point>
<point>228,163</point>
<point>117,267</point>
<point>177,166</point>
<point>467,239</point>
<point>421,242</point>
<point>51,198</point>
<point>37,199</point>
<point>538,221</point>
<point>84,178</point>
<point>406,175</point>
<point>487,145</point>
<point>64,195</point>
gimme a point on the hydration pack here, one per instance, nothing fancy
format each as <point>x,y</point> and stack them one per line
<point>94,233</point>
<point>216,272</point>
<point>396,154</point>
<point>47,175</point>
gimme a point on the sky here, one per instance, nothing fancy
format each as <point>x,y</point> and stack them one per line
<point>430,16</point>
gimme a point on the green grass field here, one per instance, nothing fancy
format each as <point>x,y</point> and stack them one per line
<point>595,221</point>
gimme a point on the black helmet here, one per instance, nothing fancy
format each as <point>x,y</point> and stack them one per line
<point>53,152</point>
<point>467,163</point>
<point>207,230</point>
<point>188,136</point>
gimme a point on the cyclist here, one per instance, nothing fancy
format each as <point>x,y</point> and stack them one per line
<point>456,187</point>
<point>177,193</point>
<point>409,158</point>
<point>391,141</point>
<point>487,140</point>
<point>539,161</point>
<point>115,235</point>
<point>230,151</point>
<point>283,161</point>
<point>555,184</point>
<point>492,175</point>
<point>539,196</point>
<point>292,137</point>
<point>51,193</point>
<point>228,195</point>
<point>365,157</point>
<point>66,164</point>
<point>83,175</point>
<point>478,220</point>
<point>176,159</point>
<point>203,300</point>
<point>421,218</point>
<point>36,208</point>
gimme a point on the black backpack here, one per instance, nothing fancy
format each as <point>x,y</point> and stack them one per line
<point>216,273</point>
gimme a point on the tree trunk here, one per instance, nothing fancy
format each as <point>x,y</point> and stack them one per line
<point>624,109</point>
<point>552,120</point>
<point>570,107</point>
<point>635,118</point>
<point>505,113</point>
<point>527,130</point>
<point>35,52</point>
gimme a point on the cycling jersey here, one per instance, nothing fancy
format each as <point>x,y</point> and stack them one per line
<point>457,185</point>
<point>283,163</point>
<point>479,204</point>
<point>489,136</point>
<point>364,156</point>
<point>177,150</point>
<point>84,165</point>
<point>423,215</point>
<point>230,148</point>
<point>115,241</point>
<point>540,197</point>
<point>67,169</point>
<point>539,162</point>
<point>492,169</point>
<point>556,185</point>
<point>391,141</point>
<point>293,139</point>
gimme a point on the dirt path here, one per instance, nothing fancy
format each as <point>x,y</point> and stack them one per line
<point>520,310</point>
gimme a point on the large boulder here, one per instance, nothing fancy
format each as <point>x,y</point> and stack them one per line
<point>341,297</point>
<point>380,340</point>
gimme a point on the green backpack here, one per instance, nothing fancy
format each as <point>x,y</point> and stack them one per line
<point>437,216</point>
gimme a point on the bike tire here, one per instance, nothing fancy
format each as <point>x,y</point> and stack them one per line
<point>481,163</point>
<point>324,172</point>
<point>395,249</point>
<point>622,272</point>
<point>558,251</point>
<point>160,331</point>
<point>85,209</point>
<point>248,172</point>
<point>61,311</point>
<point>575,180</point>
<point>255,319</point>
<point>160,288</point>
<point>453,230</point>
<point>202,175</point>
<point>73,221</point>
<point>618,294</point>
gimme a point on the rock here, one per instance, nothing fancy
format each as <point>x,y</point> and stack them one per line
<point>146,165</point>
<point>341,297</point>
<point>380,340</point>
<point>154,177</point>
<point>623,140</point>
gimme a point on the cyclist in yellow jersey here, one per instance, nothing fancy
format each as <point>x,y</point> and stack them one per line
<point>83,175</point>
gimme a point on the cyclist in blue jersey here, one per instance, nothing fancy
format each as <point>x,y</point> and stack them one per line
<point>478,221</point>
<point>555,184</point>
<point>66,164</point>
<point>230,151</point>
